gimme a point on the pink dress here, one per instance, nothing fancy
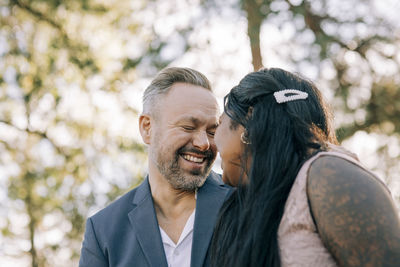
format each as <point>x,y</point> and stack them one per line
<point>299,241</point>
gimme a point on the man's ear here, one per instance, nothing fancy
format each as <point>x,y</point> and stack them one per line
<point>145,128</point>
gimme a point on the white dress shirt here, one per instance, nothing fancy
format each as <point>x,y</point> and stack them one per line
<point>179,255</point>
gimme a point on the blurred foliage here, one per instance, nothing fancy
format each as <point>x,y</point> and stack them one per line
<point>72,73</point>
<point>58,155</point>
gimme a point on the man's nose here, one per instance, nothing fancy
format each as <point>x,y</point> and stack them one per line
<point>201,141</point>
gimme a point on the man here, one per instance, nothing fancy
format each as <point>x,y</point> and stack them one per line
<point>168,220</point>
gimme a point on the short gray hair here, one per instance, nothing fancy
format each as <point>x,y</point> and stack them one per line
<point>166,78</point>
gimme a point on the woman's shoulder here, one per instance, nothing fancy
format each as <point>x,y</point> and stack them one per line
<point>353,211</point>
<point>339,167</point>
<point>342,170</point>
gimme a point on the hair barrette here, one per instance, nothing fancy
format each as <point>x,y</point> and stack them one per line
<point>288,95</point>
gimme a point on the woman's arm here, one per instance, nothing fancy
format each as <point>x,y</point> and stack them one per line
<point>354,213</point>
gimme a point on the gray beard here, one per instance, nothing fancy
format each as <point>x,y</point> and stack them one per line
<point>180,180</point>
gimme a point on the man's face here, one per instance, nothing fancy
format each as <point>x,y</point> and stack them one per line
<point>182,140</point>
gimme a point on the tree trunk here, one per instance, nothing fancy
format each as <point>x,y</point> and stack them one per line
<point>254,20</point>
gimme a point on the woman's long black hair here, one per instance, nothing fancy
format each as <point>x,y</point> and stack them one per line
<point>281,137</point>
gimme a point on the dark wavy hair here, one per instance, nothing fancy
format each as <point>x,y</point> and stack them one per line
<point>281,137</point>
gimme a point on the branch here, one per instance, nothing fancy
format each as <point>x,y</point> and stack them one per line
<point>81,62</point>
<point>40,16</point>
<point>347,131</point>
<point>7,145</point>
<point>38,133</point>
<point>314,21</point>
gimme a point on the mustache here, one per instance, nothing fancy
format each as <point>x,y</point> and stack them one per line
<point>207,154</point>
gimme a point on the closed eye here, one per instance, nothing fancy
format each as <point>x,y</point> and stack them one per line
<point>211,134</point>
<point>188,128</point>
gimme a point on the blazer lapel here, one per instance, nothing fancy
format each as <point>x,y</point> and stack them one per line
<point>145,226</point>
<point>210,198</point>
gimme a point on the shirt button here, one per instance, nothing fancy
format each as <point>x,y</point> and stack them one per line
<point>176,253</point>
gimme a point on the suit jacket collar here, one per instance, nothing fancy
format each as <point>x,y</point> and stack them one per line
<point>144,221</point>
<point>210,198</point>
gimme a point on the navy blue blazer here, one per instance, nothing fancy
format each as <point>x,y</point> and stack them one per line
<point>126,233</point>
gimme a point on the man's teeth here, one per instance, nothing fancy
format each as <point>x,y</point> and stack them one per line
<point>194,159</point>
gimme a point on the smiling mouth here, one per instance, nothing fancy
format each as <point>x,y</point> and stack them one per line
<point>193,158</point>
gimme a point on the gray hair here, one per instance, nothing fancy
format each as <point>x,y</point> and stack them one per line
<point>164,81</point>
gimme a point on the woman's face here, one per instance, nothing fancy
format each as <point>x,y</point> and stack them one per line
<point>230,149</point>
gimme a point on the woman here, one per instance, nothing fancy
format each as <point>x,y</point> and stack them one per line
<point>300,200</point>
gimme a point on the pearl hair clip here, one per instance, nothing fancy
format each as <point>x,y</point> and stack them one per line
<point>282,97</point>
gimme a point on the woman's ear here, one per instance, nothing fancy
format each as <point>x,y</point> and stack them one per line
<point>145,128</point>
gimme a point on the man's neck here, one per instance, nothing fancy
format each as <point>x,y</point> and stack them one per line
<point>173,207</point>
<point>170,202</point>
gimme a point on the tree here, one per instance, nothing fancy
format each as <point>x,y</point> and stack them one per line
<point>60,144</point>
<point>70,97</point>
<point>353,49</point>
